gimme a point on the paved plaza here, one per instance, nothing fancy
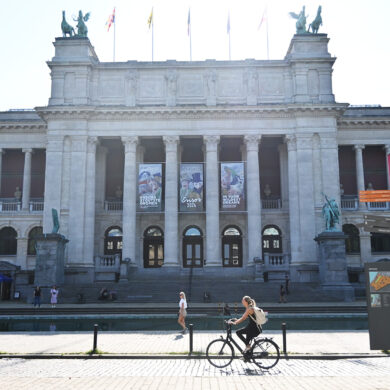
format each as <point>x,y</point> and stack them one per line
<point>353,374</point>
<point>171,342</point>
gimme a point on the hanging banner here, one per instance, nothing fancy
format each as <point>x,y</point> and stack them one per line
<point>191,187</point>
<point>233,186</point>
<point>388,170</point>
<point>149,187</point>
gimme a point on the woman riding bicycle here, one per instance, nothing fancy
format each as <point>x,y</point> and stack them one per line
<point>252,329</point>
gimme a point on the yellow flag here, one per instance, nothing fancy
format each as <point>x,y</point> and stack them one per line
<point>150,19</point>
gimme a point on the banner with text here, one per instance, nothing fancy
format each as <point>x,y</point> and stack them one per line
<point>191,187</point>
<point>149,187</point>
<point>233,186</point>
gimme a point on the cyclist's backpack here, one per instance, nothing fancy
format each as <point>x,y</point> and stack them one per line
<point>260,317</point>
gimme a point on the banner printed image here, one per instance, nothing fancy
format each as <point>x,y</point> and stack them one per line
<point>150,186</point>
<point>191,187</point>
<point>233,186</point>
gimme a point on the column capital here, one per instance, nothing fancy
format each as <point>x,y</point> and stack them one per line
<point>252,141</point>
<point>27,150</point>
<point>359,147</point>
<point>2,151</point>
<point>211,142</point>
<point>130,143</point>
<point>387,148</point>
<point>304,142</point>
<point>171,142</point>
<point>92,142</point>
<point>291,141</point>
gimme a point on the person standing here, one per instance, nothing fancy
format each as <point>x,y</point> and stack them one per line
<point>182,312</point>
<point>287,282</point>
<point>37,296</point>
<point>282,298</point>
<point>53,296</point>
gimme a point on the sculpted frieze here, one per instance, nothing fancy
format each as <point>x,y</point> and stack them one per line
<point>152,86</point>
<point>191,85</point>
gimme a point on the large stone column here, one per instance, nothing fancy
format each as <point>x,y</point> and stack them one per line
<point>317,168</point>
<point>90,191</point>
<point>306,200</point>
<point>26,179</point>
<point>387,150</point>
<point>78,180</point>
<point>1,166</point>
<point>171,240</point>
<point>253,196</point>
<point>283,163</point>
<point>213,241</point>
<point>100,193</point>
<point>129,200</point>
<point>293,199</point>
<point>53,175</point>
<point>359,171</point>
<point>330,168</point>
<point>21,252</point>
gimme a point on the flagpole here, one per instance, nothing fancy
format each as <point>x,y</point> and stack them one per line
<point>152,39</point>
<point>230,56</point>
<point>267,38</point>
<point>190,44</point>
<point>114,38</point>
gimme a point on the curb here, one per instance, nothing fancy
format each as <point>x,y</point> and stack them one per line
<point>185,357</point>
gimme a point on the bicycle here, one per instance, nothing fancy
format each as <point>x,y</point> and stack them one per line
<point>220,352</point>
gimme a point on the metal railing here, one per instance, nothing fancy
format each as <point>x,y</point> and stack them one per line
<point>10,205</point>
<point>378,206</point>
<point>269,204</point>
<point>351,203</point>
<point>36,205</point>
<point>110,205</point>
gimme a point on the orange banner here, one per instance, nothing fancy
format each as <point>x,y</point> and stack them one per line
<point>374,196</point>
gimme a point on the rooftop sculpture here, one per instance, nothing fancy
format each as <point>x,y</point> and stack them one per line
<point>82,30</point>
<point>301,21</point>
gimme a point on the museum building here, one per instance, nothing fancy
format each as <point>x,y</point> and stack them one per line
<point>218,167</point>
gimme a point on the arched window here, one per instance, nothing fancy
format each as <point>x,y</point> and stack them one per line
<point>352,243</point>
<point>113,241</point>
<point>232,247</point>
<point>272,239</point>
<point>153,247</point>
<point>34,232</point>
<point>192,247</point>
<point>380,242</point>
<point>7,241</point>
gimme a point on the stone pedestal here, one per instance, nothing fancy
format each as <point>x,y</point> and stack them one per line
<point>124,270</point>
<point>333,265</point>
<point>49,268</point>
<point>259,269</point>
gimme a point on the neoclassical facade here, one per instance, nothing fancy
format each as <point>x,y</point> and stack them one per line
<point>218,166</point>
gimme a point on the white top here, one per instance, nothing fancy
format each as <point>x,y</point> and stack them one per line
<point>183,301</point>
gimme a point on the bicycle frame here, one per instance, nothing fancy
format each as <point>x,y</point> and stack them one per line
<point>229,338</point>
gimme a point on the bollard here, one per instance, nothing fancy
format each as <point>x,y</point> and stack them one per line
<point>284,338</point>
<point>95,332</point>
<point>191,329</point>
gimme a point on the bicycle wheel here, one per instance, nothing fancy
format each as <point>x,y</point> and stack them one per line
<point>220,353</point>
<point>265,353</point>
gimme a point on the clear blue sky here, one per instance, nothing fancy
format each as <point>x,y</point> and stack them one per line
<point>359,33</point>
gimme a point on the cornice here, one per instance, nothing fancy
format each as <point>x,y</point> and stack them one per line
<point>21,126</point>
<point>271,111</point>
<point>360,122</point>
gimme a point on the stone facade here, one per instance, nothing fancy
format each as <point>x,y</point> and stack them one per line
<point>152,112</point>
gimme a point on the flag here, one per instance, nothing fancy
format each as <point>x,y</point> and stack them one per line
<point>263,18</point>
<point>189,21</point>
<point>150,19</point>
<point>228,24</point>
<point>110,20</point>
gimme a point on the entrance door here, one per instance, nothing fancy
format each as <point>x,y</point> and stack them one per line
<point>232,247</point>
<point>272,240</point>
<point>192,247</point>
<point>153,247</point>
<point>113,241</point>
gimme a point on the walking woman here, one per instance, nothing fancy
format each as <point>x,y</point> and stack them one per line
<point>182,312</point>
<point>252,329</point>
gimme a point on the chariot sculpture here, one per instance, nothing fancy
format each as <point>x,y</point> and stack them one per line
<point>301,21</point>
<point>82,30</point>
